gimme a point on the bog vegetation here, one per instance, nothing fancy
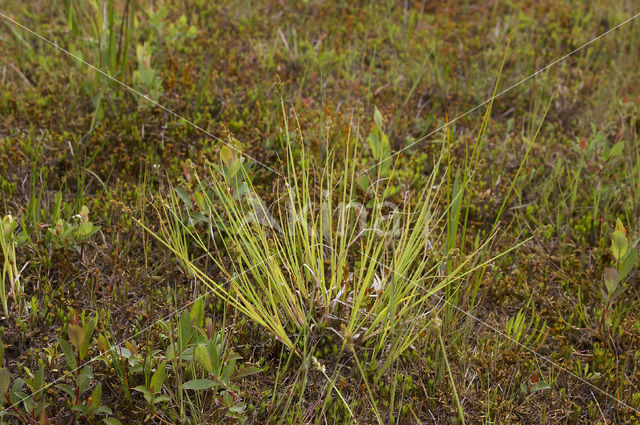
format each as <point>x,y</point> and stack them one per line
<point>297,212</point>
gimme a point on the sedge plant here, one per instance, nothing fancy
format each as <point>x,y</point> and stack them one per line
<point>10,282</point>
<point>320,251</point>
<point>326,257</point>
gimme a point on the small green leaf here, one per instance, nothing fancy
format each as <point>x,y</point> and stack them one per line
<point>611,279</point>
<point>158,378</point>
<point>103,344</point>
<point>70,357</point>
<point>88,328</point>
<point>619,244</point>
<point>67,389</point>
<point>539,386</point>
<point>229,369</point>
<point>238,408</point>
<point>182,194</point>
<point>170,353</point>
<point>228,399</point>
<point>38,380</point>
<point>103,409</point>
<point>119,351</point>
<point>227,155</point>
<point>203,357</point>
<point>199,200</point>
<point>96,396</point>
<point>616,150</point>
<point>81,408</point>
<point>197,312</point>
<point>377,118</point>
<point>184,330</point>
<point>363,182</point>
<point>616,294</point>
<point>374,144</point>
<point>161,398</point>
<point>76,335</point>
<point>84,378</point>
<point>5,379</point>
<point>215,351</point>
<point>628,262</point>
<point>111,421</point>
<point>145,391</point>
<point>86,229</point>
<point>15,393</point>
<point>247,371</point>
<point>199,384</point>
<point>524,389</point>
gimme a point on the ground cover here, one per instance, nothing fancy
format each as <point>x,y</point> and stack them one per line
<point>284,212</point>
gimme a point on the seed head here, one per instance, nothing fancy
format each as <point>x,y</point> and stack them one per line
<point>278,86</point>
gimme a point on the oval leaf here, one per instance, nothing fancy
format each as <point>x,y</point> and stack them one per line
<point>377,118</point>
<point>539,386</point>
<point>203,357</point>
<point>246,371</point>
<point>69,356</point>
<point>184,195</point>
<point>96,396</point>
<point>158,378</point>
<point>628,262</point>
<point>4,380</point>
<point>618,244</point>
<point>76,335</point>
<point>199,384</point>
<point>611,278</point>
